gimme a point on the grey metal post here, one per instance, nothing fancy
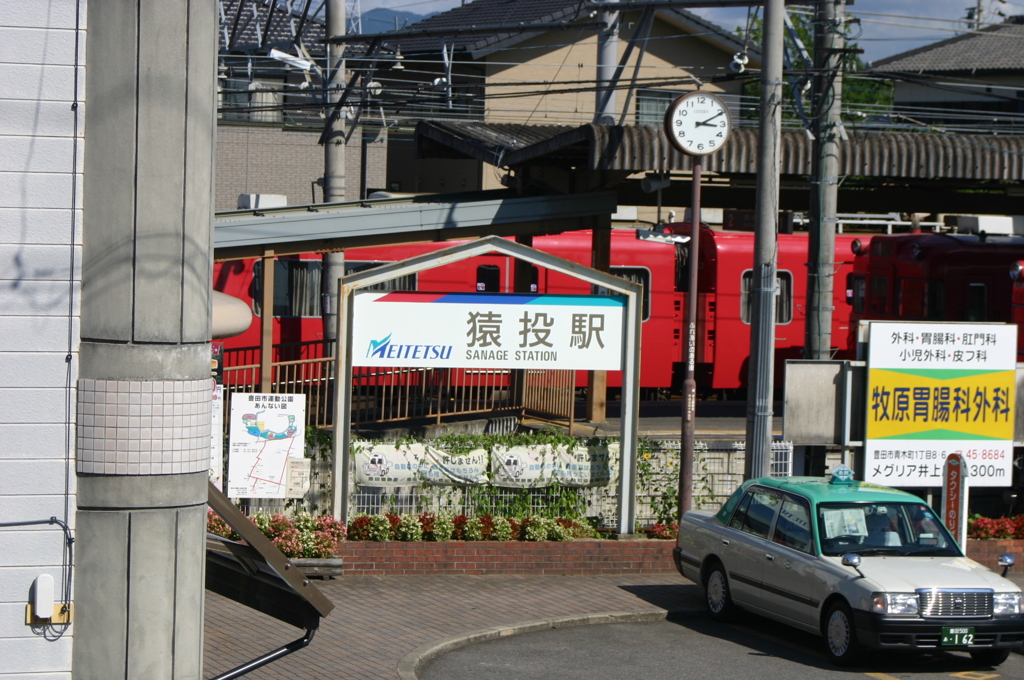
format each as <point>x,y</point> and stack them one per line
<point>607,61</point>
<point>762,293</point>
<point>334,163</point>
<point>690,383</point>
<point>144,400</point>
<point>826,99</point>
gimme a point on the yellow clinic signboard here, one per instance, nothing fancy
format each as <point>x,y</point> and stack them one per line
<point>937,389</point>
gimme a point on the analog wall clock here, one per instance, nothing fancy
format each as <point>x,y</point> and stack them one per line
<point>698,123</point>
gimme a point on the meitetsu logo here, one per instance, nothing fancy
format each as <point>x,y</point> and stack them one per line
<point>385,349</point>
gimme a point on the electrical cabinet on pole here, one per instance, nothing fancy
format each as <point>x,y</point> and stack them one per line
<point>762,327</point>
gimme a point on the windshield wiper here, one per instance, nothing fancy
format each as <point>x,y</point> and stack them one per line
<point>932,552</point>
<point>879,550</point>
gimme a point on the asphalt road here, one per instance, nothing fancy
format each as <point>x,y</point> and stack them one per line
<point>691,648</point>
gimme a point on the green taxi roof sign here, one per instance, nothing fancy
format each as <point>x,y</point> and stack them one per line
<point>841,475</point>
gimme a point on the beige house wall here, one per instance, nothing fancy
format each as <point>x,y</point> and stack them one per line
<point>550,60</point>
<point>272,160</point>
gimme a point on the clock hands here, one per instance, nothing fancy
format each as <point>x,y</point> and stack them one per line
<point>707,122</point>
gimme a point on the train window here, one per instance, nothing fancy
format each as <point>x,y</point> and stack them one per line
<point>856,291</point>
<point>977,302</point>
<point>783,296</point>
<point>878,299</point>
<point>296,287</point>
<point>639,275</point>
<point>882,248</point>
<point>407,282</point>
<point>488,278</point>
<point>920,299</point>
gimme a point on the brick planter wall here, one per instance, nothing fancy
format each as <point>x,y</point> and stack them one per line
<point>514,557</point>
<point>987,552</point>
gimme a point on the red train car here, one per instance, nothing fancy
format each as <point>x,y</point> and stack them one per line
<point>724,281</point>
<point>937,277</point>
<point>726,261</point>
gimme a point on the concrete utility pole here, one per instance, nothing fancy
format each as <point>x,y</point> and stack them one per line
<point>334,163</point>
<point>605,110</point>
<point>821,246</point>
<point>762,288</point>
<point>607,61</point>
<point>143,447</point>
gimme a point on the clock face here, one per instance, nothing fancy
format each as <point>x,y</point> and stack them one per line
<point>698,123</point>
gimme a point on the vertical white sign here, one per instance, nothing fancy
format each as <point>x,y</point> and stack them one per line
<point>265,431</point>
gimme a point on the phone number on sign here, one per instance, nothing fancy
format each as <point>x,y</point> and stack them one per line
<point>985,454</point>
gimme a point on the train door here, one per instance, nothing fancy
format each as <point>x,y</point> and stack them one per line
<point>977,300</point>
<point>879,289</point>
<point>493,274</point>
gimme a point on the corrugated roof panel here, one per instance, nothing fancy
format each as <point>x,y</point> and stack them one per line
<point>640,149</point>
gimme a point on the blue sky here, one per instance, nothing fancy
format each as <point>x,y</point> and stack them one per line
<point>887,26</point>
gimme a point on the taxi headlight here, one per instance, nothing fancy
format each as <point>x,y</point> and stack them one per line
<point>1004,604</point>
<point>895,604</point>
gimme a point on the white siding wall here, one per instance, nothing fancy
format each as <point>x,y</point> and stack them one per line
<point>40,214</point>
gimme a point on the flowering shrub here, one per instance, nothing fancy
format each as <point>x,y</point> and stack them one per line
<point>998,527</point>
<point>379,528</point>
<point>215,524</point>
<point>409,528</point>
<point>444,527</point>
<point>501,529</point>
<point>473,530</point>
<point>668,531</point>
<point>359,528</point>
<point>305,536</point>
<point>544,529</point>
<point>459,522</point>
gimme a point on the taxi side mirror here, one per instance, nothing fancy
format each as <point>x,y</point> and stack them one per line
<point>1006,560</point>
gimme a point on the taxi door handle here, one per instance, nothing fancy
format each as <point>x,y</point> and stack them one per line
<point>770,558</point>
<point>725,541</point>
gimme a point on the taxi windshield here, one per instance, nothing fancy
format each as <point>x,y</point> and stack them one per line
<point>883,529</point>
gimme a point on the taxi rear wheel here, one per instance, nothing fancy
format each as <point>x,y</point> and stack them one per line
<point>841,636</point>
<point>716,595</point>
<point>990,657</point>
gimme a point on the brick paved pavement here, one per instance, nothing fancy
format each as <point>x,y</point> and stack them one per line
<point>378,620</point>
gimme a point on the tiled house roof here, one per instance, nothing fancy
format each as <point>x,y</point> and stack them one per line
<point>999,47</point>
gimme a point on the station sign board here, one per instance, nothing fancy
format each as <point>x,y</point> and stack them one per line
<point>936,389</point>
<point>488,330</point>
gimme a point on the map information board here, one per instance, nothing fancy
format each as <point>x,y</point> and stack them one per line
<point>265,431</point>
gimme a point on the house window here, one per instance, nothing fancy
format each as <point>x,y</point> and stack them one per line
<point>652,104</point>
<point>783,297</point>
<point>296,288</point>
<point>257,102</point>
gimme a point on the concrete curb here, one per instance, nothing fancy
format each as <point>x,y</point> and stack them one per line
<point>411,662</point>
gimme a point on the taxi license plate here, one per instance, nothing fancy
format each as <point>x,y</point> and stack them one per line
<point>959,637</point>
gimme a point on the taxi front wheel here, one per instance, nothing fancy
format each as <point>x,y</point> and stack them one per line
<point>840,635</point>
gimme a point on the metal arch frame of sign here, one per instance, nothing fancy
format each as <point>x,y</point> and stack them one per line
<point>630,349</point>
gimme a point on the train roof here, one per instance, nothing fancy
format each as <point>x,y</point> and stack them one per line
<point>953,239</point>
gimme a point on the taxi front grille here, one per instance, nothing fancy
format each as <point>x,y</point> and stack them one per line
<point>955,604</point>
